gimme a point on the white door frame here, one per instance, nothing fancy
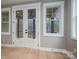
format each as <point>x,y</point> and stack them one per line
<point>22,7</point>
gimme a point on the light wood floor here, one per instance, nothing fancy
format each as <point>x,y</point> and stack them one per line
<point>26,53</point>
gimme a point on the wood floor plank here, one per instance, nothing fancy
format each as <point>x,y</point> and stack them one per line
<point>27,53</point>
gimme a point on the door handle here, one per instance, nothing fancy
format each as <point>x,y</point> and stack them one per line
<point>25,32</point>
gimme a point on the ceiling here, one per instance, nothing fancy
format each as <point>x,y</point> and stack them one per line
<point>11,2</point>
<point>5,3</point>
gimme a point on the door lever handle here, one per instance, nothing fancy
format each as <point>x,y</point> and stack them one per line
<point>25,32</point>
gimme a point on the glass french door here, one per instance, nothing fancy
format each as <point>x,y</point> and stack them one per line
<point>25,27</point>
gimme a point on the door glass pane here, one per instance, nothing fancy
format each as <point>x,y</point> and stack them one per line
<point>19,29</point>
<point>31,23</point>
<point>5,16</point>
<point>52,20</point>
<point>7,13</point>
<point>5,27</point>
<point>5,21</point>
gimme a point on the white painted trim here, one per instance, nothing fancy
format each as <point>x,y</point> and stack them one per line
<point>25,5</point>
<point>68,53</point>
<point>39,25</point>
<point>12,45</point>
<point>53,34</point>
<point>6,45</point>
<point>61,25</point>
<point>51,49</point>
<point>73,34</point>
<point>3,10</point>
<point>5,33</point>
<point>40,48</point>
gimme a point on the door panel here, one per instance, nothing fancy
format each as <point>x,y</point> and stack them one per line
<point>25,26</point>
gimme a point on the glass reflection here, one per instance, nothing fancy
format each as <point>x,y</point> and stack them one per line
<point>31,23</point>
<point>52,20</point>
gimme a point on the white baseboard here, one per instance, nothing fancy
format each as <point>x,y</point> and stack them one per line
<point>51,49</point>
<point>68,53</point>
<point>10,45</point>
<point>40,48</point>
<point>6,45</point>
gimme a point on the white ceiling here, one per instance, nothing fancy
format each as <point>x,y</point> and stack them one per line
<point>11,2</point>
<point>14,2</point>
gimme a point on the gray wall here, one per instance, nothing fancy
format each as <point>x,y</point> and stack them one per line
<point>50,41</point>
<point>71,43</point>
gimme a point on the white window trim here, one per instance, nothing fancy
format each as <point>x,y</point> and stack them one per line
<point>7,9</point>
<point>61,26</point>
<point>73,35</point>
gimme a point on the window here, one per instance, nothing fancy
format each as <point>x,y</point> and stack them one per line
<point>74,19</point>
<point>5,18</point>
<point>53,19</point>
